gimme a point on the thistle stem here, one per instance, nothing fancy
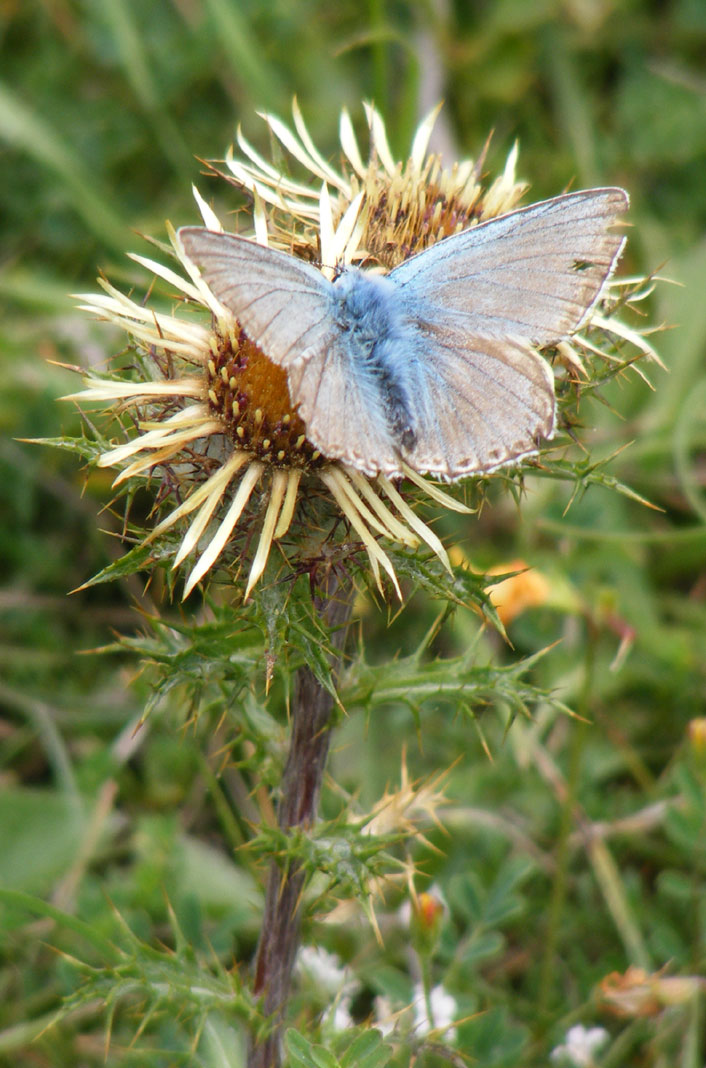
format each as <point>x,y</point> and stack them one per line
<point>301,784</point>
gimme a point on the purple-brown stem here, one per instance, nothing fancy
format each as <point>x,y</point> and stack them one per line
<point>301,784</point>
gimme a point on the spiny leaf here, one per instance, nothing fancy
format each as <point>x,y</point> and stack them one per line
<point>26,902</point>
<point>589,472</point>
<point>464,588</point>
<point>135,560</point>
<point>455,679</point>
<point>83,447</point>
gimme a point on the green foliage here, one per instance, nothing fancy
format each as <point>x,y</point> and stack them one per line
<point>137,785</point>
<point>132,971</point>
<point>365,1050</point>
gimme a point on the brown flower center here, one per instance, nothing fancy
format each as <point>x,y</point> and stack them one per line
<point>249,394</point>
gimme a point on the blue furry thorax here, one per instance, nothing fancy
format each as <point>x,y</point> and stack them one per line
<point>367,306</point>
<point>382,345</point>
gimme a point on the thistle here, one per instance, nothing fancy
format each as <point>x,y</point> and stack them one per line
<point>213,413</point>
<point>216,430</point>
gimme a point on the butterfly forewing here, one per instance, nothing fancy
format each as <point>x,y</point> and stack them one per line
<point>285,307</point>
<point>283,304</point>
<point>531,274</point>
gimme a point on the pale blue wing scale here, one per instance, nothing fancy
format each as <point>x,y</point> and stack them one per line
<point>532,274</point>
<point>283,303</point>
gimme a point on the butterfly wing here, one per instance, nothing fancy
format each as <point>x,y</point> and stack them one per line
<point>287,308</point>
<point>282,303</point>
<point>341,417</point>
<point>481,403</point>
<point>533,273</point>
<point>480,300</point>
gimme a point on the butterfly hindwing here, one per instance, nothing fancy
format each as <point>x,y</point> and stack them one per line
<point>483,403</point>
<point>340,416</point>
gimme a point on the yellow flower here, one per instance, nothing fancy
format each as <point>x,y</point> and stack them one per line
<point>697,735</point>
<point>527,588</point>
<point>384,211</point>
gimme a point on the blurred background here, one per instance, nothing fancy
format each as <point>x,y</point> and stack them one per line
<point>105,109</point>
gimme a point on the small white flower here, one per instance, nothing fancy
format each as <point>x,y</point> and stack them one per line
<point>443,1011</point>
<point>579,1046</point>
<point>338,1017</point>
<point>385,1017</point>
<point>323,968</point>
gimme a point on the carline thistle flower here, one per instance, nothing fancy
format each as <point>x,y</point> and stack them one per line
<point>217,419</point>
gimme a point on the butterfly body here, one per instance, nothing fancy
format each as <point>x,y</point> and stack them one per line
<point>382,343</point>
<point>433,365</point>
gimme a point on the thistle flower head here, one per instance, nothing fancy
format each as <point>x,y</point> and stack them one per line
<point>214,418</point>
<point>380,209</point>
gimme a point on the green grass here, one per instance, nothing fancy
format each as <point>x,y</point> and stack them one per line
<point>130,885</point>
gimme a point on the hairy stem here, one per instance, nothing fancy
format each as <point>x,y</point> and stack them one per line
<point>301,783</point>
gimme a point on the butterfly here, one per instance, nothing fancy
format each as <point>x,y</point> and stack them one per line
<point>433,365</point>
